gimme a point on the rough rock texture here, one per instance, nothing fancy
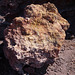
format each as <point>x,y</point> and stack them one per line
<point>11,8</point>
<point>64,65</point>
<point>47,12</point>
<point>35,39</point>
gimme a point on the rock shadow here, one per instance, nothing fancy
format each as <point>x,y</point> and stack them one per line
<point>37,71</point>
<point>70,16</point>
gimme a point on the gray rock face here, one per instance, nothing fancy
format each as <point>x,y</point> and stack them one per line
<point>35,39</point>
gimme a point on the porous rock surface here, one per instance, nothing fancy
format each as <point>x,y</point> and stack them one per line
<point>35,39</point>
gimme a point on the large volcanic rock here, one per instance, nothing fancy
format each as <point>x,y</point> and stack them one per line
<point>35,39</point>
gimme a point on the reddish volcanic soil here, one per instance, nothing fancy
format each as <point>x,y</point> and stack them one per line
<point>65,63</point>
